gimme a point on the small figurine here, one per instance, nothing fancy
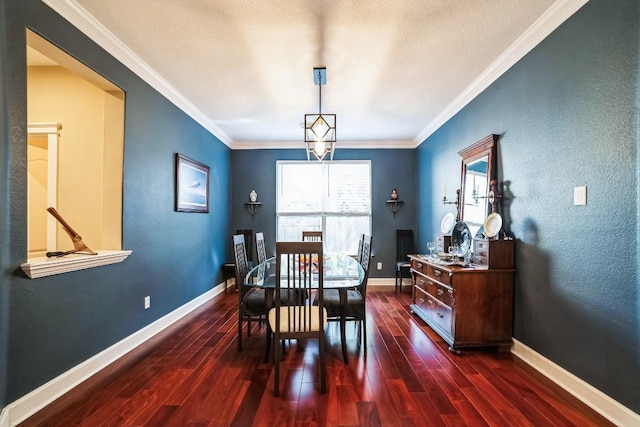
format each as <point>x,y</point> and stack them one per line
<point>253,196</point>
<point>394,194</point>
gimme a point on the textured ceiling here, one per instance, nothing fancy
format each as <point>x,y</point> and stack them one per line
<point>393,67</point>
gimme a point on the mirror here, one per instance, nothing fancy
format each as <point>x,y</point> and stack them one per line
<point>477,172</point>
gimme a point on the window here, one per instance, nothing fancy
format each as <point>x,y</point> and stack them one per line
<point>334,197</point>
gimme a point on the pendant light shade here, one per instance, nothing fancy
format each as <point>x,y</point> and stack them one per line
<point>320,129</point>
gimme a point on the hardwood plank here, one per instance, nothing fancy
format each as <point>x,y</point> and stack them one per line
<point>192,374</point>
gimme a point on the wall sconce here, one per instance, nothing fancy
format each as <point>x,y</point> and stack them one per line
<point>394,204</point>
<point>253,205</point>
<point>446,201</point>
<point>456,202</point>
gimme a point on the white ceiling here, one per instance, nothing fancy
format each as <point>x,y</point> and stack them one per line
<point>396,70</point>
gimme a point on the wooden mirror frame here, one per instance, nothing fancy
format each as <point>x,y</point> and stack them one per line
<point>487,146</point>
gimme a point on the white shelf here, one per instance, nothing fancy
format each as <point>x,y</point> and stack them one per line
<point>42,267</point>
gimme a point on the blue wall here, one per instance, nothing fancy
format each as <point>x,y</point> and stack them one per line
<point>567,114</point>
<point>51,324</point>
<point>256,169</point>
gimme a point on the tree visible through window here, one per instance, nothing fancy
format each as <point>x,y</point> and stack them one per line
<point>334,197</point>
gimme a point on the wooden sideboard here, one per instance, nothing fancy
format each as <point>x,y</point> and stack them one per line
<point>466,306</point>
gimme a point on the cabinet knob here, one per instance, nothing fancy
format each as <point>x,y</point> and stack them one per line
<point>421,300</point>
<point>440,292</point>
<point>437,272</point>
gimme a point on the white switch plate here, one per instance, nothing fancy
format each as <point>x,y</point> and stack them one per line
<point>147,302</point>
<point>379,266</point>
<point>580,196</point>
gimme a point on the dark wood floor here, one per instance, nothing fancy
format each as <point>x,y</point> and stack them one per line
<point>193,375</point>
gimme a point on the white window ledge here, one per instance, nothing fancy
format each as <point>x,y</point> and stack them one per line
<point>42,267</point>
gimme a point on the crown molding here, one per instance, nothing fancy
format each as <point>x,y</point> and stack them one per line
<point>395,144</point>
<point>92,28</point>
<point>559,12</point>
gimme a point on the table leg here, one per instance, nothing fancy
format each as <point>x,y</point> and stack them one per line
<point>343,321</point>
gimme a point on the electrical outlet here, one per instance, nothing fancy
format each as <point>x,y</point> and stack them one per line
<point>147,302</point>
<point>379,266</point>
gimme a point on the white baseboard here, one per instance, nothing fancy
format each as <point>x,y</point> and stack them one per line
<point>615,412</point>
<point>29,404</point>
<point>381,281</point>
<point>4,417</point>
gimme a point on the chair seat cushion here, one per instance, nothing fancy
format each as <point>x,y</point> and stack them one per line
<point>353,308</point>
<point>302,315</point>
<point>293,296</point>
<point>254,301</point>
<point>402,264</point>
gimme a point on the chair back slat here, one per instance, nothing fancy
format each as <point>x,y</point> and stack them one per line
<point>312,236</point>
<point>359,255</point>
<point>260,249</point>
<point>241,264</point>
<point>365,262</point>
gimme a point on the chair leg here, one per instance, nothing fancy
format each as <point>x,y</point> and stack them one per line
<point>276,365</point>
<point>397,281</point>
<point>323,373</point>
<point>240,330</point>
<point>268,344</point>
<point>364,332</point>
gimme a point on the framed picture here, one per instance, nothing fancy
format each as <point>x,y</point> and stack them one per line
<point>192,185</point>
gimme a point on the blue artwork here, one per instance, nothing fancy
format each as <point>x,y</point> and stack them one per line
<point>192,186</point>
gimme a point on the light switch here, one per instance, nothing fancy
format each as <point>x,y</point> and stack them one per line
<point>580,196</point>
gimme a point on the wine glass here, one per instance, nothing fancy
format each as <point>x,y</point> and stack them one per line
<point>431,246</point>
<point>452,252</point>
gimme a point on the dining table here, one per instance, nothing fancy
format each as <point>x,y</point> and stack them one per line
<point>340,271</point>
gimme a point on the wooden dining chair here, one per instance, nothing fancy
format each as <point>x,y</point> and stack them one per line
<point>252,303</point>
<point>404,247</point>
<point>312,236</point>
<point>355,308</point>
<point>302,320</point>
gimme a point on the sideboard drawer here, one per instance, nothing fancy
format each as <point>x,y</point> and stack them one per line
<point>439,274</point>
<point>494,253</point>
<point>442,317</point>
<point>443,241</point>
<point>425,302</point>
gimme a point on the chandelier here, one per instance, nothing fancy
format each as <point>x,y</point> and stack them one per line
<point>320,129</point>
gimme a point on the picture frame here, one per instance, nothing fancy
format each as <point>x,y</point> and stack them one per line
<point>192,185</point>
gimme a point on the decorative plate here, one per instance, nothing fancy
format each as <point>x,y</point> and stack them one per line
<point>447,223</point>
<point>492,225</point>
<point>461,237</point>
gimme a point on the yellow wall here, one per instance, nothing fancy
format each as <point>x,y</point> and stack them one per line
<point>37,195</point>
<point>90,153</point>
